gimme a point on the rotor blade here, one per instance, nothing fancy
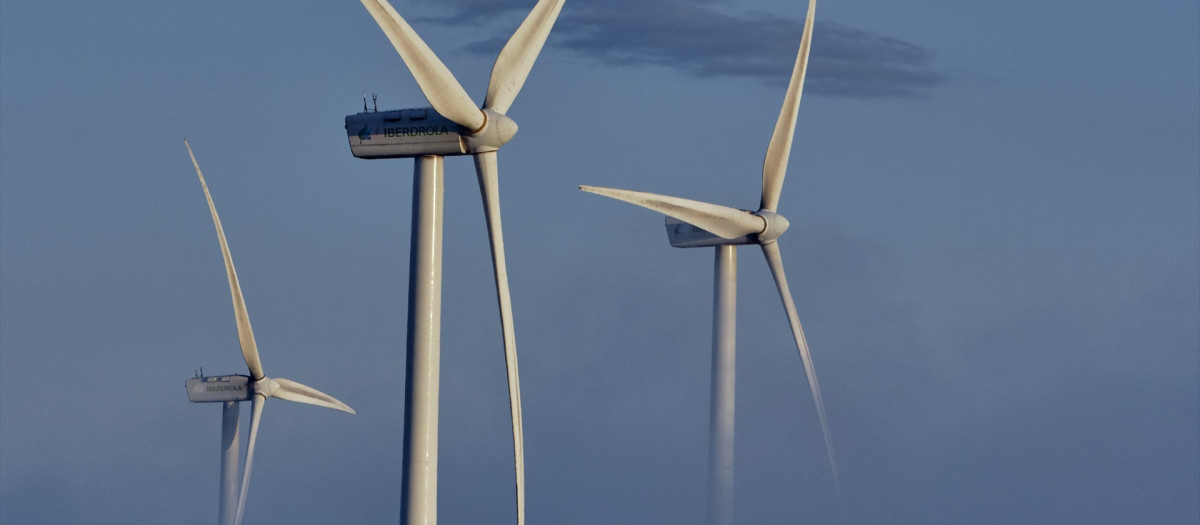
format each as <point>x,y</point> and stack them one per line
<point>726,222</point>
<point>245,333</point>
<point>444,92</point>
<point>256,408</point>
<point>289,390</point>
<point>485,167</point>
<point>775,261</point>
<point>519,54</point>
<point>775,165</point>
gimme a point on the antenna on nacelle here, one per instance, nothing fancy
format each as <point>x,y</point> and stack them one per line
<point>374,101</point>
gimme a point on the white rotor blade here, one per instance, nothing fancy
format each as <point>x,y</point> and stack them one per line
<point>485,167</point>
<point>441,88</point>
<point>775,261</point>
<point>289,390</point>
<point>256,408</point>
<point>775,165</point>
<point>519,54</point>
<point>245,333</point>
<point>726,222</point>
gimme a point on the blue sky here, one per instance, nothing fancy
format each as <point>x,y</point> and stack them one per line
<point>995,238</point>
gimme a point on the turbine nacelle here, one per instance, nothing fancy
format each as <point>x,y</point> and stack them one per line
<point>694,224</point>
<point>219,389</point>
<point>417,132</point>
<point>683,234</point>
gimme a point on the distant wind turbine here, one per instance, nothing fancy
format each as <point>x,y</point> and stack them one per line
<point>696,224</point>
<point>233,389</point>
<point>453,126</point>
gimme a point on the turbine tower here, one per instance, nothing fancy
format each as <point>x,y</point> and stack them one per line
<point>230,390</point>
<point>453,126</point>
<point>693,224</point>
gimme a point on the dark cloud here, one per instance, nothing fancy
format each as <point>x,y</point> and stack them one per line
<point>698,38</point>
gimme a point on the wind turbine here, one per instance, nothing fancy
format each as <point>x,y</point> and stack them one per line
<point>693,224</point>
<point>233,389</point>
<point>453,126</point>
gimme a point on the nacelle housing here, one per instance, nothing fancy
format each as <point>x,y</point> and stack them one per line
<point>403,133</point>
<point>216,389</point>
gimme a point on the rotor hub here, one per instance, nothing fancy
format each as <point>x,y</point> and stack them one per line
<point>265,386</point>
<point>497,130</point>
<point>776,224</point>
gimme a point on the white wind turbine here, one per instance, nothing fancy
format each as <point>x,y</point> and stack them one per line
<point>233,389</point>
<point>695,224</point>
<point>453,126</point>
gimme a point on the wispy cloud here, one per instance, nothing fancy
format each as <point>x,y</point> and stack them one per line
<point>705,38</point>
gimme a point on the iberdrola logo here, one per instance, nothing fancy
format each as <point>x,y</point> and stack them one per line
<point>366,132</point>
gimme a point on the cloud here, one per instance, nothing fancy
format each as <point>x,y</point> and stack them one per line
<point>699,38</point>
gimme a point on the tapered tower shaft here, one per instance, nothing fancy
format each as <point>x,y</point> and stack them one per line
<point>418,503</point>
<point>230,420</point>
<point>720,438</point>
